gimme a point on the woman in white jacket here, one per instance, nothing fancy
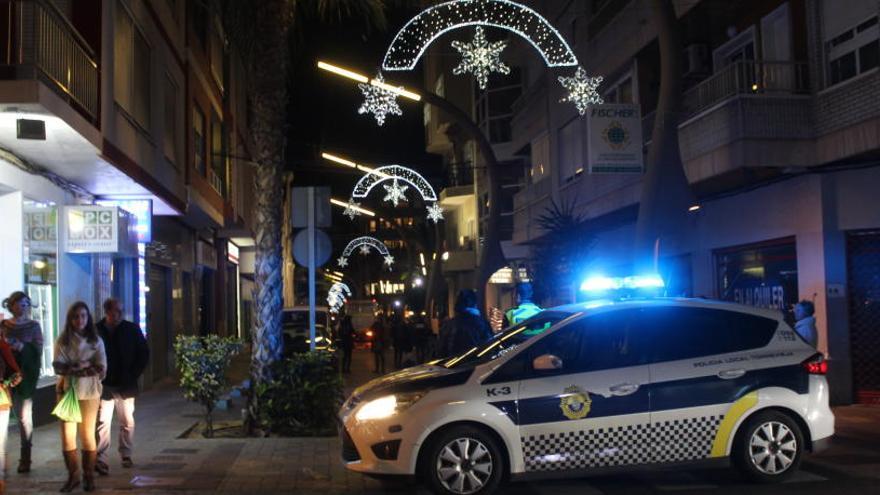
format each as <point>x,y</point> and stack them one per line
<point>80,359</point>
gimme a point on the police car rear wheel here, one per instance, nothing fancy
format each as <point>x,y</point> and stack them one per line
<point>770,448</point>
<point>464,461</point>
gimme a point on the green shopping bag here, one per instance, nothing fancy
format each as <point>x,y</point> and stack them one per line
<point>67,408</point>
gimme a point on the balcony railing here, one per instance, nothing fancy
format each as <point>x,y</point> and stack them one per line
<point>216,182</point>
<point>746,77</point>
<point>460,174</point>
<point>41,43</point>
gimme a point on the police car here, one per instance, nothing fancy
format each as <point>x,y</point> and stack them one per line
<point>600,387</point>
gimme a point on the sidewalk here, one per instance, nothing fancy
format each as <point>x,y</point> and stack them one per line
<point>252,466</point>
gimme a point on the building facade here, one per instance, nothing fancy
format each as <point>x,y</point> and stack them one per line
<point>100,175</point>
<point>778,135</point>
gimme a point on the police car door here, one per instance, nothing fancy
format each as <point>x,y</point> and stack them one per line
<point>584,400</point>
<point>701,367</point>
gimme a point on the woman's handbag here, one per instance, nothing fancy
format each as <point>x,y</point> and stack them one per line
<point>67,409</point>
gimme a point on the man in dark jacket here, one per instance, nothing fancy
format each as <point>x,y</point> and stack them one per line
<point>467,329</point>
<point>127,357</point>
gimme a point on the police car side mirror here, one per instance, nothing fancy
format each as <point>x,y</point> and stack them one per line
<point>547,362</point>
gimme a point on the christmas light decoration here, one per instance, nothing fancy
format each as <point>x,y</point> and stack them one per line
<point>337,296</point>
<point>411,42</point>
<point>435,214</point>
<point>581,90</point>
<point>365,243</point>
<point>378,101</point>
<point>395,173</point>
<point>394,192</point>
<point>389,260</point>
<point>480,57</point>
<point>352,209</point>
<point>354,206</point>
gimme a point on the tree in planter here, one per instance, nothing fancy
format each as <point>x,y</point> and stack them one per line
<point>303,395</point>
<point>202,364</point>
<point>558,253</point>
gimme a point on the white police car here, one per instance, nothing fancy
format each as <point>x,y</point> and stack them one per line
<point>599,387</point>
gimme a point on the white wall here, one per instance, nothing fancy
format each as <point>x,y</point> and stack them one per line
<point>11,240</point>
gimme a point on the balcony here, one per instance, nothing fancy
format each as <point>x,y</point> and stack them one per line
<point>41,44</point>
<point>460,261</point>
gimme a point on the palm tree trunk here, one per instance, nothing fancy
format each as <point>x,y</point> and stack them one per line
<point>268,121</point>
<point>491,255</point>
<point>666,194</point>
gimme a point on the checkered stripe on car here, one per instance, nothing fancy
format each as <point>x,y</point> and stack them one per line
<point>685,439</point>
<point>674,440</point>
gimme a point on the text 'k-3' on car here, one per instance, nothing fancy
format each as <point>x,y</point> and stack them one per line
<point>600,387</point>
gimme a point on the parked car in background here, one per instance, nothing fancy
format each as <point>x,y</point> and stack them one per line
<point>295,328</point>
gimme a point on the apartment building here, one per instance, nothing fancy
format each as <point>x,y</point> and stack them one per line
<point>779,140</point>
<point>110,185</point>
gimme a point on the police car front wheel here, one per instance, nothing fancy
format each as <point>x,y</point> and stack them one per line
<point>463,460</point>
<point>770,447</point>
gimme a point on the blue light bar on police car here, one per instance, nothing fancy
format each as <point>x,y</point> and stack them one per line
<point>604,284</point>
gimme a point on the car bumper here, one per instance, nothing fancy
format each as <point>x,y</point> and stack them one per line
<point>372,448</point>
<point>821,444</point>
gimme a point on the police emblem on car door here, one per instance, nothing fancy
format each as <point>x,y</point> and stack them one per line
<point>584,400</point>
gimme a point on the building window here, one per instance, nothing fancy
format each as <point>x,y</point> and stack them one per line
<point>171,128</point>
<point>41,273</point>
<point>494,106</point>
<point>218,156</point>
<point>763,275</point>
<point>540,158</point>
<point>854,51</point>
<point>621,91</point>
<point>131,72</point>
<point>571,152</point>
<point>217,53</point>
<point>199,141</point>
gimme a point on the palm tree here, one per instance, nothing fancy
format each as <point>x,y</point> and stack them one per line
<point>266,36</point>
<point>666,194</point>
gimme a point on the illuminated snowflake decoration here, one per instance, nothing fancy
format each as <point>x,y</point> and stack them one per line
<point>365,249</point>
<point>378,101</point>
<point>581,90</point>
<point>394,192</point>
<point>351,210</point>
<point>337,296</point>
<point>342,261</point>
<point>389,260</point>
<point>435,213</point>
<point>480,57</point>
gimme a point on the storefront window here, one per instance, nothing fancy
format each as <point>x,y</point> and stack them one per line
<point>41,272</point>
<point>762,275</point>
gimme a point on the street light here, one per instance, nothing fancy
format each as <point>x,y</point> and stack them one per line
<point>363,79</point>
<point>349,163</point>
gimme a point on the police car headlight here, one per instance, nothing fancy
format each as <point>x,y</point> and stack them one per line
<point>387,406</point>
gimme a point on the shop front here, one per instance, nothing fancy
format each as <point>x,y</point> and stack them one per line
<point>763,275</point>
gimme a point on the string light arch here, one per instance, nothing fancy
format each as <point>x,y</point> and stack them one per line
<point>414,38</point>
<point>390,173</point>
<point>370,243</point>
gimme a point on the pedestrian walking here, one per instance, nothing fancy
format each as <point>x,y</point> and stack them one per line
<point>25,337</point>
<point>805,322</point>
<point>467,329</point>
<point>402,339</point>
<point>11,377</point>
<point>346,339</point>
<point>127,358</point>
<point>81,363</point>
<point>378,345</point>
<point>525,308</point>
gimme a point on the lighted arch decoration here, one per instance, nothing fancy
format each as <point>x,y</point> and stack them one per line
<point>414,38</point>
<point>390,173</point>
<point>366,243</point>
<point>337,295</point>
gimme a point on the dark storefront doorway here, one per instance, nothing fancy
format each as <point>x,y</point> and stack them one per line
<point>159,320</point>
<point>863,273</point>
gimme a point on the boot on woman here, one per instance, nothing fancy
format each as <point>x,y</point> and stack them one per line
<point>88,464</point>
<point>71,460</point>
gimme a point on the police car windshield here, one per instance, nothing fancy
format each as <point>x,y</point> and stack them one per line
<point>507,340</point>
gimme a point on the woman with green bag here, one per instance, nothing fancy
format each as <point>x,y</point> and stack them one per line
<point>25,337</point>
<point>80,363</point>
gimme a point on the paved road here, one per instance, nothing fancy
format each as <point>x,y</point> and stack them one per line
<point>166,464</point>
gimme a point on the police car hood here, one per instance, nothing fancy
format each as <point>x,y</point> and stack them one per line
<point>424,377</point>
